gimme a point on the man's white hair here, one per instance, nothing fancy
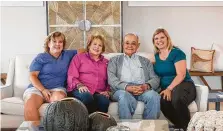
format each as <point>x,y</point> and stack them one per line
<point>137,37</point>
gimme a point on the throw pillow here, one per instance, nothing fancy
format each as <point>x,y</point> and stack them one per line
<point>110,55</point>
<point>149,56</point>
<point>218,58</point>
<point>202,60</point>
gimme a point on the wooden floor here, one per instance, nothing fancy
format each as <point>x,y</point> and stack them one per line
<point>212,106</point>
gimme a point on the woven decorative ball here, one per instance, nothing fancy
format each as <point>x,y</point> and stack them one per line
<point>69,114</point>
<point>211,120</point>
<point>99,121</point>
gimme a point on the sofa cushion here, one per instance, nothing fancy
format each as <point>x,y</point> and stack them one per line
<point>12,106</point>
<point>15,106</point>
<point>42,109</point>
<point>11,121</point>
<point>113,108</point>
<point>193,107</point>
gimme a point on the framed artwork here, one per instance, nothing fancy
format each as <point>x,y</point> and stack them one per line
<point>79,19</point>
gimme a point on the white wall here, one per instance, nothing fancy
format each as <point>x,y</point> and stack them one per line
<point>23,30</point>
<point>188,27</point>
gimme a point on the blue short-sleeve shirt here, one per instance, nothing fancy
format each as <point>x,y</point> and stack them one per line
<point>52,71</point>
<point>166,70</point>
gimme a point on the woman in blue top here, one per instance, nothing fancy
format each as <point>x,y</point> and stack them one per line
<point>177,87</point>
<point>48,74</point>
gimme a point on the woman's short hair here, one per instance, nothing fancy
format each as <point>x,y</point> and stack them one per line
<point>92,37</point>
<point>52,36</point>
<point>169,42</point>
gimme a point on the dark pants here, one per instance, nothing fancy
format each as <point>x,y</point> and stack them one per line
<point>177,110</point>
<point>95,102</point>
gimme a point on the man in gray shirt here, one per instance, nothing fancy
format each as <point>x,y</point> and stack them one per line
<point>132,78</point>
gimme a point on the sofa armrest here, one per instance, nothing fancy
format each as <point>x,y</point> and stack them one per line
<point>7,89</point>
<point>202,97</point>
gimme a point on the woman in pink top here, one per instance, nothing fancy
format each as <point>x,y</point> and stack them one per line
<point>87,76</point>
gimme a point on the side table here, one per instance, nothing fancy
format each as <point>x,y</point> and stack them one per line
<point>202,74</point>
<point>213,97</point>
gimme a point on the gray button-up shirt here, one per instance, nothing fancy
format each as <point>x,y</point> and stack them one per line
<point>132,71</point>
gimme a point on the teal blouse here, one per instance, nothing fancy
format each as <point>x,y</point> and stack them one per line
<point>166,70</point>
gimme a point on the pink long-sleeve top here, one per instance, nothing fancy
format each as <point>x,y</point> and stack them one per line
<point>85,70</point>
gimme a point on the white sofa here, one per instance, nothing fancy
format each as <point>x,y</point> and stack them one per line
<point>12,105</point>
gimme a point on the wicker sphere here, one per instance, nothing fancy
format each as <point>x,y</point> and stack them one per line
<point>99,121</point>
<point>69,114</point>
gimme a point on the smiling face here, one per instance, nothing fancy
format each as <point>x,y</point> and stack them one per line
<point>95,47</point>
<point>160,41</point>
<point>130,44</point>
<point>55,45</point>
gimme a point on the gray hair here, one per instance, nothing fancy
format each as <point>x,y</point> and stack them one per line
<point>137,37</point>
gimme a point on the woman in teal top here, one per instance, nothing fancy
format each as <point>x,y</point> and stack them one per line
<point>177,87</point>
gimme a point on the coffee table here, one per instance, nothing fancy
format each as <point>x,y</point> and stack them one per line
<point>133,124</point>
<point>30,126</point>
<point>145,125</point>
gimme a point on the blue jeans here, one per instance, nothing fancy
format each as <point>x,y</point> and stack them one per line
<point>95,102</point>
<point>127,104</point>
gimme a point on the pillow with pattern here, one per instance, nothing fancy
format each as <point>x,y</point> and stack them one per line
<point>202,60</point>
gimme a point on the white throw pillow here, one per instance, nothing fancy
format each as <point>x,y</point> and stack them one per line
<point>110,55</point>
<point>149,56</point>
<point>218,58</point>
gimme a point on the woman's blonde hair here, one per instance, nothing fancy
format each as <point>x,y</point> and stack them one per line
<point>92,37</point>
<point>169,42</point>
<point>52,36</point>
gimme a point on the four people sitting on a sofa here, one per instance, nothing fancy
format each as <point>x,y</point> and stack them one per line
<point>130,76</point>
